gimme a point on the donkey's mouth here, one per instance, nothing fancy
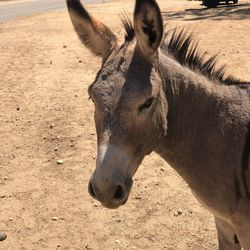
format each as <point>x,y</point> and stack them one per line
<point>114,206</point>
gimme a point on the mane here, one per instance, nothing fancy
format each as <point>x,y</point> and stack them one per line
<point>128,27</point>
<point>181,45</point>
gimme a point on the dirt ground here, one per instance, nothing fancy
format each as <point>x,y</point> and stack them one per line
<point>45,115</point>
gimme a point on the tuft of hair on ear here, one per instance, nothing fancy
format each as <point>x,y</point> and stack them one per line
<point>128,26</point>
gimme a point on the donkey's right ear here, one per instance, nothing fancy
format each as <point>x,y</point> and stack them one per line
<point>94,34</point>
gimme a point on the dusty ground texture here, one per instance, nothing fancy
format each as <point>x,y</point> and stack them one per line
<point>45,115</point>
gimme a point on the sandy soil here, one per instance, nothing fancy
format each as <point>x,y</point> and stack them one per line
<point>9,2</point>
<point>45,115</point>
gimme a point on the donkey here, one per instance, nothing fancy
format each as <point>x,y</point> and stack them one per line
<point>156,92</point>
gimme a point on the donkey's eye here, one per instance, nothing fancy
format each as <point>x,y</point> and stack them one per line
<point>146,105</point>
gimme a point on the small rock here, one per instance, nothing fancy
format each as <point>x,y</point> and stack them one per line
<point>80,61</point>
<point>54,218</point>
<point>2,196</point>
<point>5,178</point>
<point>3,236</point>
<point>163,169</point>
<point>177,213</point>
<point>51,126</point>
<point>60,162</point>
<point>71,145</point>
<point>64,46</point>
<point>56,149</point>
<point>117,241</point>
<point>10,219</point>
<point>17,108</point>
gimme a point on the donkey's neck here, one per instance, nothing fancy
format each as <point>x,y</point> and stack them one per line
<point>194,104</point>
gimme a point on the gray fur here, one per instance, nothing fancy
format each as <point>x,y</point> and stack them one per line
<point>170,100</point>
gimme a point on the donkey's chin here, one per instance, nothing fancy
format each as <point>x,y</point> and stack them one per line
<point>113,206</point>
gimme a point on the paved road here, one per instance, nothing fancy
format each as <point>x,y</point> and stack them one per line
<point>12,11</point>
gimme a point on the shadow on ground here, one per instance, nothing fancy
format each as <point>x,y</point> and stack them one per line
<point>222,12</point>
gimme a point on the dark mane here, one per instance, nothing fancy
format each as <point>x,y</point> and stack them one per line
<point>182,47</point>
<point>128,26</point>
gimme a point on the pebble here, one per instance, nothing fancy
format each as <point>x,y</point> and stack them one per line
<point>55,149</point>
<point>2,196</point>
<point>60,162</point>
<point>177,213</point>
<point>5,178</point>
<point>163,169</point>
<point>55,218</point>
<point>3,236</point>
<point>117,241</point>
<point>10,219</point>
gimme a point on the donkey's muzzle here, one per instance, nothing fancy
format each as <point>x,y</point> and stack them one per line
<point>111,195</point>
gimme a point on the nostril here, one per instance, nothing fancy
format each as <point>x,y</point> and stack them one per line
<point>119,193</point>
<point>91,190</point>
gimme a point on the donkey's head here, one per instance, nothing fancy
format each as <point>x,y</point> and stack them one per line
<point>130,105</point>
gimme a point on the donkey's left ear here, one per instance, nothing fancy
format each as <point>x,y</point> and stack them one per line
<point>148,26</point>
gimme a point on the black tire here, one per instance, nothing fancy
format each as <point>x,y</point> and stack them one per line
<point>211,3</point>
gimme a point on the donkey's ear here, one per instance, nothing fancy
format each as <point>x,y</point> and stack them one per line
<point>94,34</point>
<point>148,26</point>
